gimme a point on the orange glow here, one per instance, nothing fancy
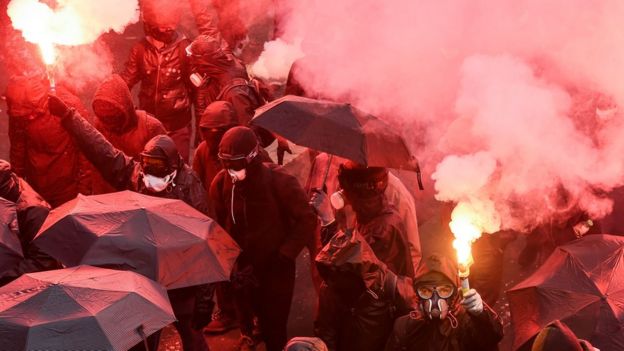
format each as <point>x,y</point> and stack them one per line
<point>466,232</point>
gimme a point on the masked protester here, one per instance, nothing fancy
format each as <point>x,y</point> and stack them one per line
<point>160,64</point>
<point>123,126</point>
<point>159,172</point>
<point>370,220</point>
<point>32,210</point>
<point>445,320</point>
<point>266,211</point>
<point>42,152</point>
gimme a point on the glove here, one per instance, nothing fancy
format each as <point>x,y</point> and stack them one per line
<point>472,302</point>
<point>322,206</point>
<point>57,107</point>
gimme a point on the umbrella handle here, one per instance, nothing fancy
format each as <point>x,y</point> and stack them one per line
<point>329,163</point>
<point>143,336</point>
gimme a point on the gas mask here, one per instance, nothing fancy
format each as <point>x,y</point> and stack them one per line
<point>237,176</point>
<point>434,300</point>
<point>198,80</point>
<point>158,184</point>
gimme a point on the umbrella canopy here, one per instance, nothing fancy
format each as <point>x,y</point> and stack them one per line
<point>10,246</point>
<point>165,240</point>
<point>81,308</point>
<point>338,129</point>
<point>581,284</point>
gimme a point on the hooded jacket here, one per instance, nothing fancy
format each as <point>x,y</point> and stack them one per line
<point>124,173</point>
<point>267,213</point>
<point>558,337</point>
<point>42,152</point>
<point>460,331</point>
<point>137,126</point>
<point>32,210</point>
<point>360,296</point>
<point>206,164</point>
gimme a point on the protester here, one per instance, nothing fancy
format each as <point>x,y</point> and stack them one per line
<point>352,315</point>
<point>160,172</point>
<point>266,211</point>
<point>305,344</point>
<point>32,211</point>
<point>556,336</point>
<point>42,152</point>
<point>123,126</point>
<point>160,64</point>
<point>445,320</point>
<point>221,76</point>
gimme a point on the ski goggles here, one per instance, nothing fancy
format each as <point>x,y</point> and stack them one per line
<point>425,292</point>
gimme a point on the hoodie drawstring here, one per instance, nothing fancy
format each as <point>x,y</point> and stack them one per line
<point>232,202</point>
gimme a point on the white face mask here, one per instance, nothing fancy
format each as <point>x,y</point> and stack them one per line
<point>337,200</point>
<point>237,175</point>
<point>157,184</point>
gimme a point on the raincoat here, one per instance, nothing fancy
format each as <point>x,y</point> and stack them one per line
<point>360,297</point>
<point>460,331</point>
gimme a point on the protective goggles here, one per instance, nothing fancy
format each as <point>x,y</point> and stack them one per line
<point>425,292</point>
<point>155,166</point>
<point>237,162</point>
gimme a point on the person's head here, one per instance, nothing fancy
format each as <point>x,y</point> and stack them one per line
<point>217,119</point>
<point>363,188</point>
<point>160,162</point>
<point>9,184</point>
<point>161,19</point>
<point>305,344</point>
<point>558,336</point>
<point>238,150</point>
<point>436,286</point>
<point>27,97</point>
<point>113,106</point>
<point>208,59</point>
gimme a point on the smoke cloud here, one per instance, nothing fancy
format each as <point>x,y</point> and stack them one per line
<point>275,61</point>
<point>510,104</point>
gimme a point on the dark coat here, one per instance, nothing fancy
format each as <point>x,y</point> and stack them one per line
<point>32,210</point>
<point>270,213</point>
<point>163,73</point>
<point>137,127</point>
<point>361,296</point>
<point>124,173</point>
<point>470,333</point>
<point>43,153</point>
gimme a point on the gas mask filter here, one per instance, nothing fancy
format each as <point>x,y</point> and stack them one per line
<point>197,79</point>
<point>337,200</point>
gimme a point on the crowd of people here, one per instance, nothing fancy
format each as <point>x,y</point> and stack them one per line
<point>375,289</point>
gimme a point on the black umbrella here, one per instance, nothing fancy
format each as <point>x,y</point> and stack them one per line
<point>338,129</point>
<point>166,240</point>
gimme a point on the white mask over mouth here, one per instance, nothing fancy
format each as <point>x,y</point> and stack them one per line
<point>237,176</point>
<point>158,184</point>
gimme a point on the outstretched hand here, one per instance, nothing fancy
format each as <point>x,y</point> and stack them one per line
<point>58,107</point>
<point>472,302</point>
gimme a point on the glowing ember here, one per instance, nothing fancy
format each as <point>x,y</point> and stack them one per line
<point>465,232</point>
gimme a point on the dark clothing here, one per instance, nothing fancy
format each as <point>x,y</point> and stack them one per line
<point>206,164</point>
<point>32,211</point>
<point>134,130</point>
<point>459,331</point>
<point>473,333</point>
<point>269,217</point>
<point>360,296</point>
<point>163,73</point>
<point>44,154</point>
<point>123,173</point>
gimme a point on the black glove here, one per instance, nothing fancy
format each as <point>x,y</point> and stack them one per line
<point>58,107</point>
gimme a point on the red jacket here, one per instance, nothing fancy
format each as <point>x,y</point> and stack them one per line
<point>42,152</point>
